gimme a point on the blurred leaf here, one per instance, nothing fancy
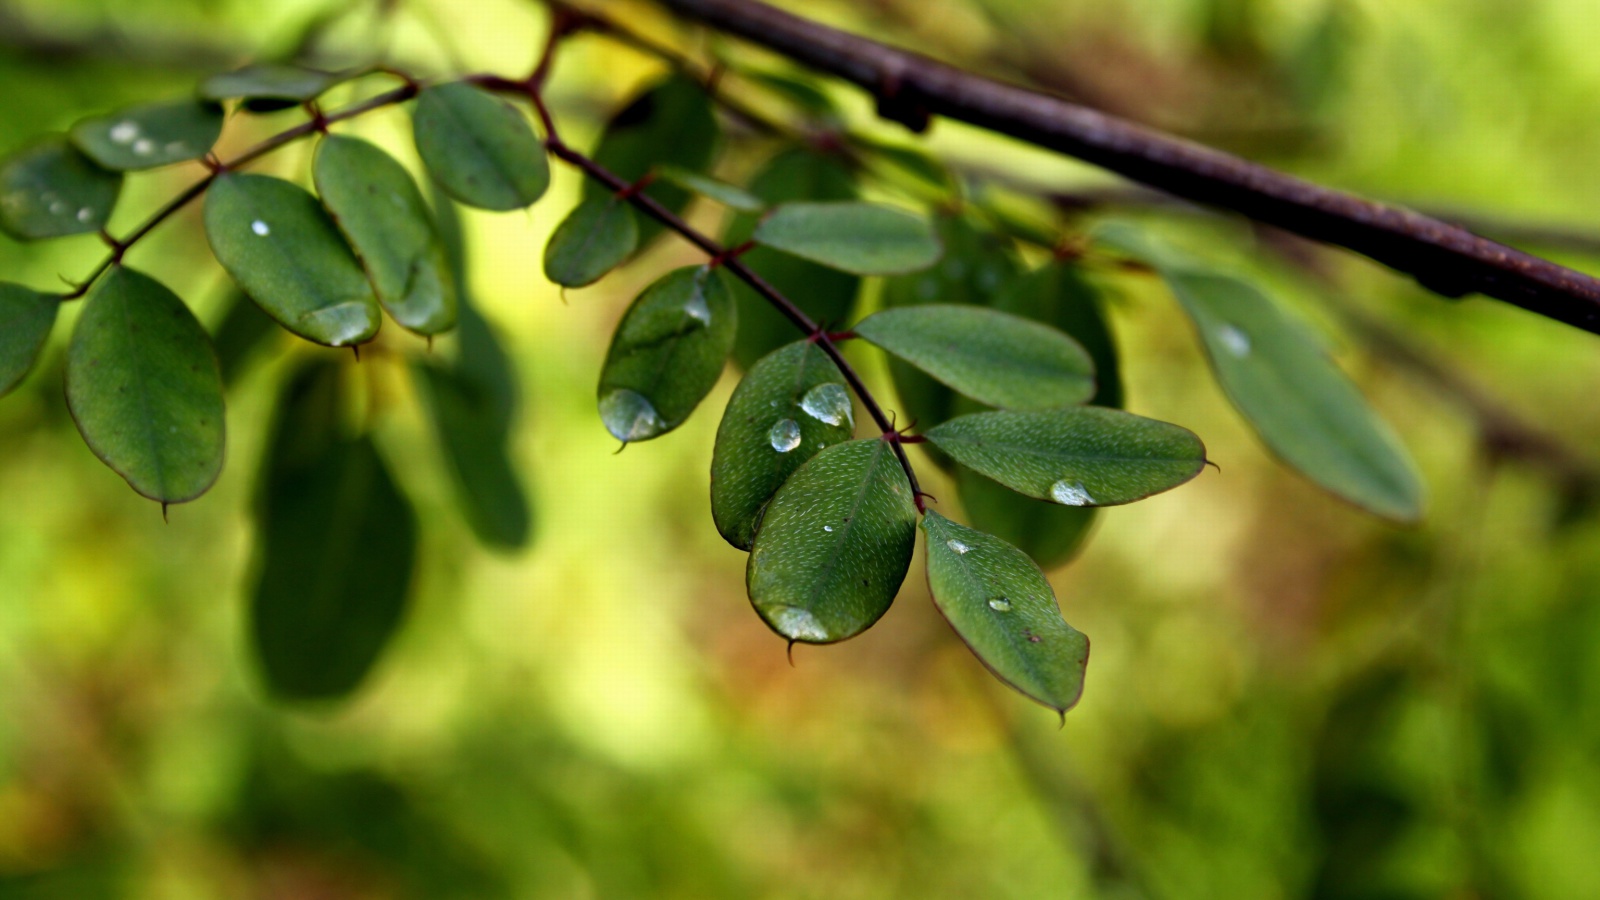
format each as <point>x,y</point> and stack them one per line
<point>670,123</point>
<point>667,353</point>
<point>151,135</point>
<point>280,246</point>
<point>922,168</point>
<point>597,236</point>
<point>1079,456</point>
<point>834,544</point>
<point>791,405</point>
<point>243,329</point>
<point>377,206</point>
<point>480,148</point>
<point>266,87</point>
<point>337,547</point>
<point>797,91</point>
<point>26,317</point>
<point>1051,534</point>
<point>1056,294</point>
<point>993,357</point>
<point>52,190</point>
<point>728,195</point>
<point>144,387</point>
<point>862,238</point>
<point>999,602</point>
<point>473,435</point>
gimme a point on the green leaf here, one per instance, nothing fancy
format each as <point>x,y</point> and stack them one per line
<point>1002,606</point>
<point>26,317</point>
<point>337,549</point>
<point>265,87</point>
<point>1079,456</point>
<point>804,94</point>
<point>1057,294</point>
<point>834,544</point>
<point>480,148</point>
<point>922,168</point>
<point>597,236</point>
<point>1306,410</point>
<point>144,387</point>
<point>728,195</point>
<point>1051,534</point>
<point>671,123</point>
<point>381,212</point>
<point>667,353</point>
<point>243,330</point>
<point>993,357</point>
<point>151,135</point>
<point>52,190</point>
<point>283,250</point>
<point>863,238</point>
<point>791,406</point>
<point>827,295</point>
<point>473,436</point>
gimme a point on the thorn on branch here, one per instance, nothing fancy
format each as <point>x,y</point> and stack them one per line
<point>633,190</point>
<point>731,253</point>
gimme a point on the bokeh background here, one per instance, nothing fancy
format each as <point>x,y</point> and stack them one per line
<point>1287,697</point>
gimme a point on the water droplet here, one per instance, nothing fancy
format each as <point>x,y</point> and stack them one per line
<point>629,415</point>
<point>124,132</point>
<point>697,309</point>
<point>1000,604</point>
<point>829,403</point>
<point>798,624</point>
<point>85,214</point>
<point>785,435</point>
<point>144,147</point>
<point>827,528</point>
<point>176,148</point>
<point>957,546</point>
<point>57,208</point>
<point>1234,340</point>
<point>1070,494</point>
<point>260,227</point>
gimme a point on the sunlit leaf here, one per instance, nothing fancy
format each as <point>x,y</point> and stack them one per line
<point>834,544</point>
<point>52,190</point>
<point>597,236</point>
<point>791,405</point>
<point>265,87</point>
<point>473,436</point>
<point>381,212</point>
<point>26,317</point>
<point>667,353</point>
<point>481,150</point>
<point>144,387</point>
<point>671,123</point>
<point>280,246</point>
<point>151,135</point>
<point>724,193</point>
<point>1078,456</point>
<point>1000,604</point>
<point>863,238</point>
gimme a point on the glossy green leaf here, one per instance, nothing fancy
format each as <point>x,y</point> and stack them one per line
<point>827,295</point>
<point>53,190</point>
<point>1079,456</point>
<point>728,195</point>
<point>26,317</point>
<point>244,329</point>
<point>382,214</point>
<point>481,150</point>
<point>1002,606</point>
<point>144,387</point>
<point>863,238</point>
<point>667,353</point>
<point>1057,294</point>
<point>597,236</point>
<point>792,405</point>
<point>337,546</point>
<point>151,135</point>
<point>834,544</point>
<point>280,246</point>
<point>1306,410</point>
<point>671,123</point>
<point>1051,534</point>
<point>265,87</point>
<point>473,435</point>
<point>993,357</point>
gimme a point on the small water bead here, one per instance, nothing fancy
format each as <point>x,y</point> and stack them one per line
<point>85,214</point>
<point>57,208</point>
<point>697,309</point>
<point>124,132</point>
<point>1234,340</point>
<point>1070,494</point>
<point>799,624</point>
<point>785,435</point>
<point>829,403</point>
<point>144,147</point>
<point>260,227</point>
<point>827,528</point>
<point>957,546</point>
<point>1000,604</point>
<point>629,415</point>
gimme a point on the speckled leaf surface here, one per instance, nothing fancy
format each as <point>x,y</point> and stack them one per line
<point>597,236</point>
<point>481,150</point>
<point>26,317</point>
<point>52,190</point>
<point>150,135</point>
<point>861,238</point>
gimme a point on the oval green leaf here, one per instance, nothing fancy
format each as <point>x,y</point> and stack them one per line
<point>151,135</point>
<point>265,87</point>
<point>473,437</point>
<point>731,196</point>
<point>667,353</point>
<point>480,148</point>
<point>791,406</point>
<point>863,238</point>
<point>53,190</point>
<point>1080,456</point>
<point>283,250</point>
<point>144,387</point>
<point>993,357</point>
<point>597,236</point>
<point>670,123</point>
<point>834,544</point>
<point>26,317</point>
<point>1002,606</point>
<point>378,207</point>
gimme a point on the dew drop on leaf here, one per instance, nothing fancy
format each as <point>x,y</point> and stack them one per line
<point>828,403</point>
<point>957,546</point>
<point>260,227</point>
<point>1070,494</point>
<point>1236,341</point>
<point>785,435</point>
<point>629,416</point>
<point>799,624</point>
<point>1000,604</point>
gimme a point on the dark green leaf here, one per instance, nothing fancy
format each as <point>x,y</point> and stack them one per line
<point>791,406</point>
<point>337,548</point>
<point>155,134</point>
<point>144,387</point>
<point>1051,534</point>
<point>801,93</point>
<point>670,124</point>
<point>834,544</point>
<point>863,238</point>
<point>473,434</point>
<point>244,328</point>
<point>265,87</point>
<point>52,190</point>
<point>728,195</point>
<point>596,237</point>
<point>480,148</point>
<point>1000,604</point>
<point>667,353</point>
<point>25,320</point>
<point>993,357</point>
<point>281,247</point>
<point>1079,456</point>
<point>1056,294</point>
<point>378,207</point>
<point>922,168</point>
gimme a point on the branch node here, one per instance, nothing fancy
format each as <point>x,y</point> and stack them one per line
<point>732,253</point>
<point>898,101</point>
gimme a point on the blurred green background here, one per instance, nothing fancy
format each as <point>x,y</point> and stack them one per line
<point>1287,698</point>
